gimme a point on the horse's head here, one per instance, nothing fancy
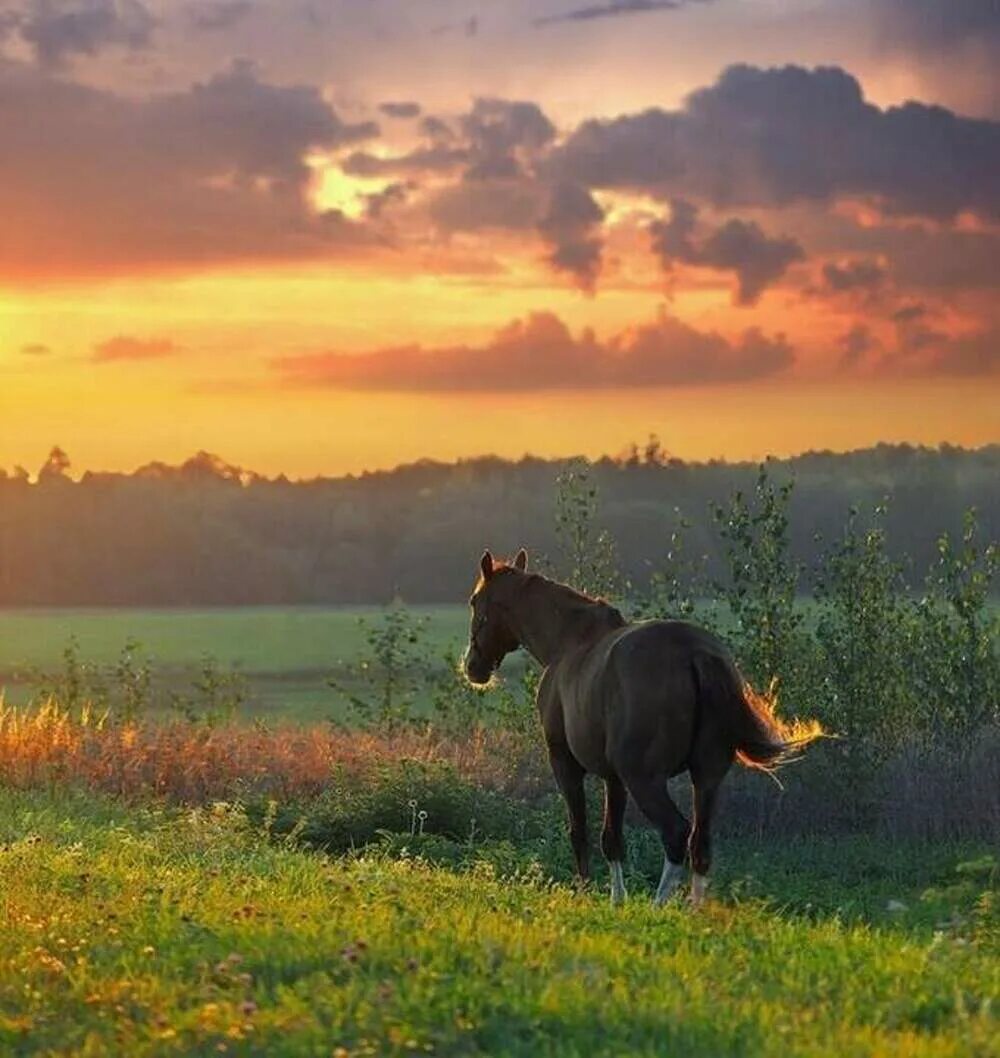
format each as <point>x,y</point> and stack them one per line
<point>491,637</point>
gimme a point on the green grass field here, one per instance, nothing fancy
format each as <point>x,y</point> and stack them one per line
<point>153,932</point>
<point>286,653</point>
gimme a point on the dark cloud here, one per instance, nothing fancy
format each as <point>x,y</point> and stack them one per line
<point>737,246</point>
<point>919,257</point>
<point>215,16</point>
<point>779,136</point>
<point>936,24</point>
<point>126,348</point>
<point>188,179</point>
<point>501,134</point>
<point>437,129</point>
<point>973,354</point>
<point>400,109</point>
<point>379,201</point>
<point>855,345</point>
<point>35,349</point>
<point>907,314</point>
<point>57,30</point>
<point>436,158</point>
<point>496,139</point>
<point>923,347</point>
<point>510,205</point>
<point>864,274</point>
<point>571,225</point>
<point>540,353</point>
<point>615,9</point>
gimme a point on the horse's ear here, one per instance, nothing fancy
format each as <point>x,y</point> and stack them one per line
<point>486,565</point>
<point>521,560</point>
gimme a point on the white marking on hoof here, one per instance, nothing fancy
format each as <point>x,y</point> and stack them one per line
<point>699,883</point>
<point>618,893</point>
<point>671,878</point>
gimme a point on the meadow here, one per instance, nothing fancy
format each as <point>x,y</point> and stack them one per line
<point>196,860</point>
<point>285,655</point>
<point>155,931</point>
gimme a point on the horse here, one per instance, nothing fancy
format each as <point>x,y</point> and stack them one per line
<point>634,703</point>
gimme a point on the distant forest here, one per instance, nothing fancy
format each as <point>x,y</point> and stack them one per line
<point>208,533</point>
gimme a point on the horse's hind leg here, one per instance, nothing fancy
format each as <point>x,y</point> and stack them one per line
<point>706,778</point>
<point>650,794</point>
<point>569,775</point>
<point>612,836</point>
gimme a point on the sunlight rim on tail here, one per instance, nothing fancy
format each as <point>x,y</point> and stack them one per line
<point>787,738</point>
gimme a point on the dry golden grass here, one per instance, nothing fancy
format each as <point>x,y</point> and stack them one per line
<point>191,763</point>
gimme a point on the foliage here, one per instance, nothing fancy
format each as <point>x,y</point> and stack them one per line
<point>678,586</point>
<point>589,561</point>
<point>762,588</point>
<point>863,630</point>
<point>959,668</point>
<point>188,763</point>
<point>215,697</point>
<point>210,534</point>
<point>390,669</point>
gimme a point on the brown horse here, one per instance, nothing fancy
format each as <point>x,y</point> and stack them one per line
<point>633,703</point>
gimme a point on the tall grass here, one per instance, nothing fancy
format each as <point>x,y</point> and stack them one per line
<point>193,763</point>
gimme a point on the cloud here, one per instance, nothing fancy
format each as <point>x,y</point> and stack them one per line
<point>855,344</point>
<point>909,313</point>
<point>861,274</point>
<point>400,109</point>
<point>57,30</point>
<point>571,225</point>
<point>923,348</point>
<point>501,134</point>
<point>190,179</point>
<point>126,348</point>
<point>35,349</point>
<point>936,24</point>
<point>775,137</point>
<point>737,246</point>
<point>481,205</point>
<point>214,16</point>
<point>392,194</point>
<point>615,9</point>
<point>540,353</point>
<point>437,158</point>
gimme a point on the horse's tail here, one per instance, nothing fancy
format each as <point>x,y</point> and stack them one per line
<point>760,738</point>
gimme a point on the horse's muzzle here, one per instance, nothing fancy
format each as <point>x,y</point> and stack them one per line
<point>477,669</point>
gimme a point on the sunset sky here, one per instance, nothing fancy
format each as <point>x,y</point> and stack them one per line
<point>318,236</point>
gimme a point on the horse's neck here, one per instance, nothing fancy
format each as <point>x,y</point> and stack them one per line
<point>553,619</point>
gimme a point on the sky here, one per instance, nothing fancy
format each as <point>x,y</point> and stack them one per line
<point>323,236</point>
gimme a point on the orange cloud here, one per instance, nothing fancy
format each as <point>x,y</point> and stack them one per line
<point>540,353</point>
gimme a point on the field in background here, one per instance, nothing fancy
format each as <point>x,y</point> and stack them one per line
<point>286,654</point>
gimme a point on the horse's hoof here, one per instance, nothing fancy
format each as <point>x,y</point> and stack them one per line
<point>617,884</point>
<point>699,883</point>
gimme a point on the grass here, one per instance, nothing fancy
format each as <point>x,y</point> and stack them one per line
<point>285,653</point>
<point>148,931</point>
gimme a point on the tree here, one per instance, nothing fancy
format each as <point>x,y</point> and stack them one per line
<point>55,467</point>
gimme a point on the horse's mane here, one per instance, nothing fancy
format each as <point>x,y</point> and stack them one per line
<point>573,599</point>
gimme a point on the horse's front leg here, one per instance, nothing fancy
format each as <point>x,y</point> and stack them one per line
<point>569,775</point>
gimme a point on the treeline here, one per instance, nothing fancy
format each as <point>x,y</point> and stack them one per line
<point>209,533</point>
